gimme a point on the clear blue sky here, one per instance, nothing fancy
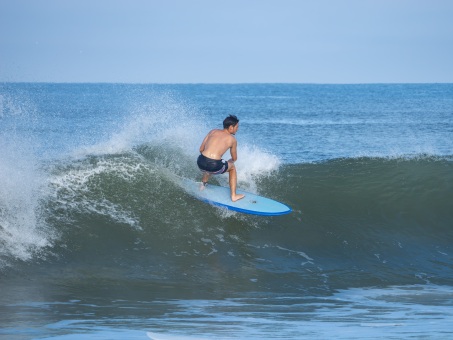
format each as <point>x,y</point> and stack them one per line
<point>226,41</point>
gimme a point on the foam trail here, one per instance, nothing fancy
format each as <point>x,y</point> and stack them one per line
<point>76,182</point>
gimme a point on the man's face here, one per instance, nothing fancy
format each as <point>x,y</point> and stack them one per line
<point>235,128</point>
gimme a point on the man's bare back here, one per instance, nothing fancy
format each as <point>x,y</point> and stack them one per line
<point>216,143</point>
<point>214,146</point>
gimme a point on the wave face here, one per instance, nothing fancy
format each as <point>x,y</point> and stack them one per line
<point>355,222</point>
<point>378,220</point>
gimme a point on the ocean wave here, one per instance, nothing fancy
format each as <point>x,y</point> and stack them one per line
<point>355,221</point>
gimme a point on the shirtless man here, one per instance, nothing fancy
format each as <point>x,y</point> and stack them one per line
<point>214,145</point>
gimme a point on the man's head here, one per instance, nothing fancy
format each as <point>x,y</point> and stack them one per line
<point>231,120</point>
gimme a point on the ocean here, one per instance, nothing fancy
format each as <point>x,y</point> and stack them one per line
<point>99,241</point>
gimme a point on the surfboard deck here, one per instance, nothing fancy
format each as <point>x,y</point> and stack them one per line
<point>220,196</point>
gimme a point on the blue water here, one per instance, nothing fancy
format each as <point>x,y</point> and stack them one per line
<point>323,121</point>
<point>98,240</point>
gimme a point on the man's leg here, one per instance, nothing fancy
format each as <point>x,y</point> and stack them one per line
<point>204,180</point>
<point>233,182</point>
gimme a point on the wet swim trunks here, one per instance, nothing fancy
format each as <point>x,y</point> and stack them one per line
<point>213,166</point>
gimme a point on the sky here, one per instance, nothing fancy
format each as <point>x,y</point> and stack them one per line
<point>226,41</point>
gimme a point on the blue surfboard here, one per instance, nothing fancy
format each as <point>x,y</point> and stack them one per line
<point>220,196</point>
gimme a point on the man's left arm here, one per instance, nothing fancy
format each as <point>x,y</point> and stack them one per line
<point>233,150</point>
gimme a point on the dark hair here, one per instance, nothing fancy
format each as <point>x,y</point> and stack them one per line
<point>230,120</point>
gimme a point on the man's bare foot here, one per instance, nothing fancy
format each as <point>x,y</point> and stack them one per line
<point>203,185</point>
<point>237,197</point>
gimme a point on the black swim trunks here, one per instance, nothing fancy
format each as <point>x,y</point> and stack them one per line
<point>213,166</point>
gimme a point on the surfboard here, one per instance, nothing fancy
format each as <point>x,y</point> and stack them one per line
<point>220,196</point>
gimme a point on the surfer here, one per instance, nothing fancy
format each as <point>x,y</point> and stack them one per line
<point>214,145</point>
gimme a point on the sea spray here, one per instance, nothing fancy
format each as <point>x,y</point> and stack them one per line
<point>23,231</point>
<point>155,120</point>
<point>168,132</point>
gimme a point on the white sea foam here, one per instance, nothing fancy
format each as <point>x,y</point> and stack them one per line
<point>73,188</point>
<point>22,228</point>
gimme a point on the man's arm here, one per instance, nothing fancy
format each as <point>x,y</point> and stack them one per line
<point>233,150</point>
